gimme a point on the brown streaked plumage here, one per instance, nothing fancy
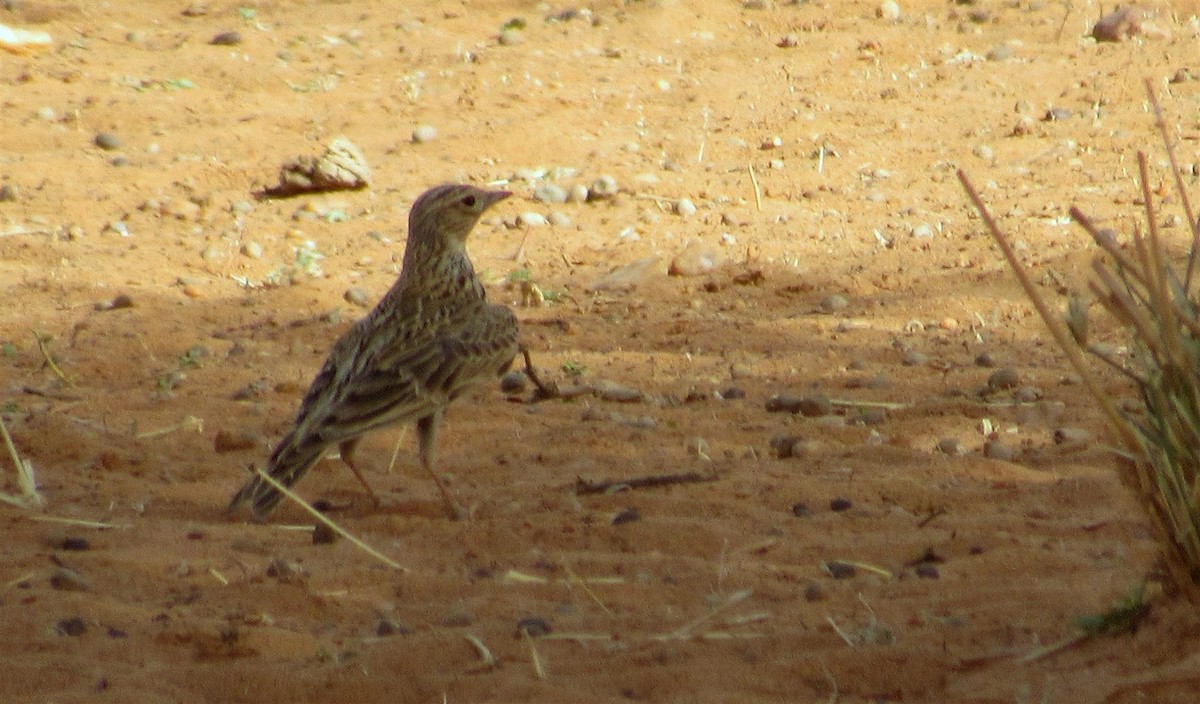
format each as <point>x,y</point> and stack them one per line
<point>432,337</point>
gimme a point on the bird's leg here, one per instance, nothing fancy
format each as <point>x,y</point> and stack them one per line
<point>543,391</point>
<point>427,429</point>
<point>346,448</point>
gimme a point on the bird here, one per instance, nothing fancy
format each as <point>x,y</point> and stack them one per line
<point>432,337</point>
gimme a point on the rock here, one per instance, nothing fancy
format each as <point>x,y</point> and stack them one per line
<point>685,208</point>
<point>227,441</point>
<point>834,302</point>
<point>577,194</point>
<point>837,505</point>
<point>513,381</point>
<point>422,134</point>
<point>341,167</point>
<point>358,296</point>
<point>612,391</point>
<point>888,11</point>
<point>695,260</point>
<point>996,450</point>
<point>1071,436</point>
<point>9,193</point>
<point>550,193</point>
<point>107,141</point>
<point>510,37</point>
<point>226,39</point>
<point>1119,25</point>
<point>1001,379</point>
<point>252,249</point>
<point>950,446</point>
<point>626,277</point>
<point>603,188</point>
<point>531,219</point>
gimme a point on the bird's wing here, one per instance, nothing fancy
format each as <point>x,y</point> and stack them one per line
<point>411,376</point>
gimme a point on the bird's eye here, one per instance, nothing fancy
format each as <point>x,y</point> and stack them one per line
<point>468,201</point>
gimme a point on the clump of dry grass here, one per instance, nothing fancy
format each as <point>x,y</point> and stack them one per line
<point>1155,301</point>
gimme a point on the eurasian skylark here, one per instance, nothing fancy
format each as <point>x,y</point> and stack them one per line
<point>431,338</point>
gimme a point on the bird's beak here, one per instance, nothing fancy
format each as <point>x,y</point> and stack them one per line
<point>495,197</point>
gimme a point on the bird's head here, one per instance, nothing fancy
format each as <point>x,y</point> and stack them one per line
<point>444,215</point>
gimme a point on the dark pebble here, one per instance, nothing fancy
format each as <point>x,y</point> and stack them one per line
<point>1057,115</point>
<point>1071,436</point>
<point>996,450</point>
<point>388,627</point>
<point>913,358</point>
<point>1028,394</point>
<point>8,193</point>
<point>815,406</point>
<point>535,626</point>
<point>783,403</point>
<point>800,510</point>
<point>839,505</point>
<point>324,535</point>
<point>323,505</point>
<point>985,359</point>
<point>977,550</point>
<point>225,441</point>
<point>114,632</point>
<point>1006,378</point>
<point>226,39</point>
<point>458,618</point>
<point>950,446</point>
<point>76,544</point>
<point>107,141</point>
<point>840,570</point>
<point>926,570</point>
<point>119,161</point>
<point>814,592</point>
<point>68,580</point>
<point>513,381</point>
<point>629,515</point>
<point>71,627</point>
<point>733,393</point>
<point>781,445</point>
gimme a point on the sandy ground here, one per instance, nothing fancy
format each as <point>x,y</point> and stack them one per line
<point>862,275</point>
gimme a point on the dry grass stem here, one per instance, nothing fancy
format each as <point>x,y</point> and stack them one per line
<point>80,522</point>
<point>328,522</point>
<point>757,190</point>
<point>45,350</point>
<point>489,661</point>
<point>686,630</point>
<point>30,496</point>
<point>191,423</point>
<point>1146,295</point>
<point>538,668</point>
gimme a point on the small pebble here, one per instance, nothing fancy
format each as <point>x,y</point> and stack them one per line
<point>577,194</point>
<point>8,193</point>
<point>46,113</point>
<point>531,219</point>
<point>323,535</point>
<point>1001,379</point>
<point>558,219</point>
<point>612,391</point>
<point>75,626</point>
<point>888,11</point>
<point>837,505</point>
<point>685,208</point>
<point>927,571</point>
<point>801,510</point>
<point>1000,53</point>
<point>511,37</point>
<point>107,141</point>
<point>629,515</point>
<point>834,302</point>
<point>695,260</point>
<point>424,133</point>
<point>550,193</point>
<point>68,580</point>
<point>252,249</point>
<point>1027,394</point>
<point>390,627</point>
<point>358,296</point>
<point>814,592</point>
<point>513,381</point>
<point>1071,436</point>
<point>913,358</point>
<point>950,446</point>
<point>996,450</point>
<point>871,416</point>
<point>984,152</point>
<point>226,39</point>
<point>840,570</point>
<point>985,359</point>
<point>227,441</point>
<point>733,393</point>
<point>603,188</point>
<point>535,626</point>
<point>76,544</point>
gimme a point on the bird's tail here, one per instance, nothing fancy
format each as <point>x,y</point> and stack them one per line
<point>293,456</point>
